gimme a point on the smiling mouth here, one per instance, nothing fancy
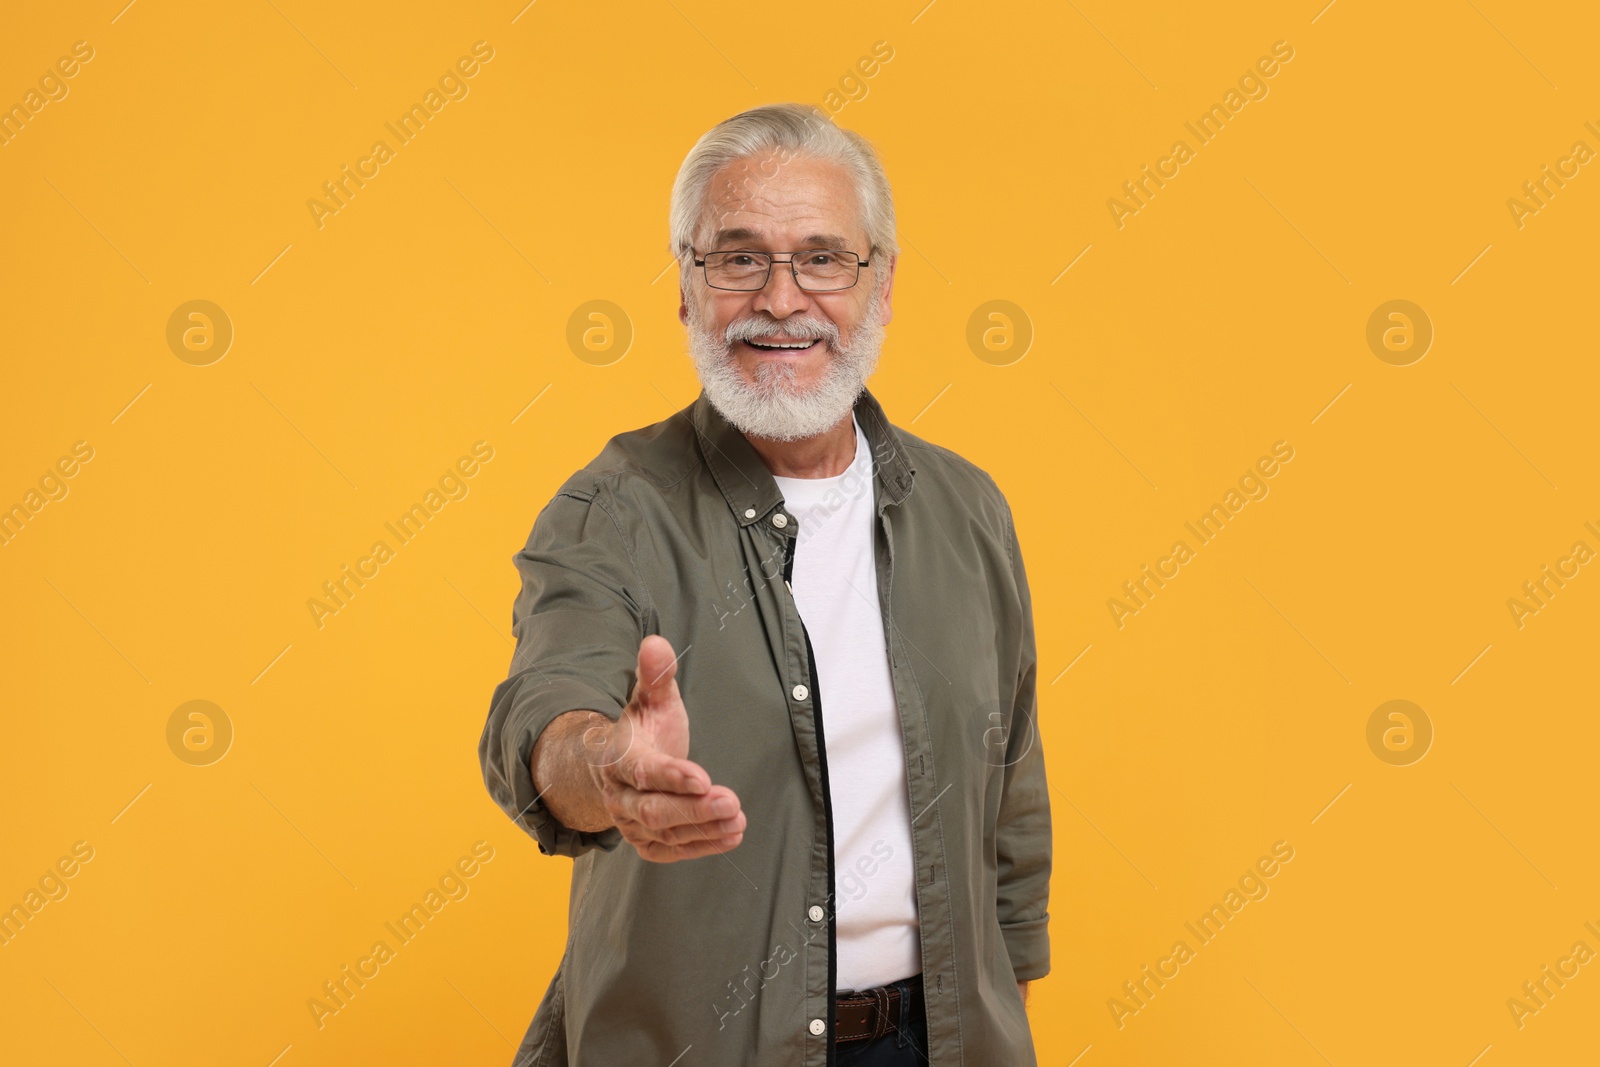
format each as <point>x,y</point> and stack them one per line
<point>787,348</point>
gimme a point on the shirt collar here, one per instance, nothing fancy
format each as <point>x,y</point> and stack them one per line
<point>749,487</point>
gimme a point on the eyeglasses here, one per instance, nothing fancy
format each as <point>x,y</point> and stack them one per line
<point>816,270</point>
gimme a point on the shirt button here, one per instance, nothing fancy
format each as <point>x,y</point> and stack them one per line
<point>800,692</point>
<point>749,513</point>
<point>815,914</point>
<point>780,520</point>
<point>818,1027</point>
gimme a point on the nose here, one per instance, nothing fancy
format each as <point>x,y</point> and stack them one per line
<point>782,295</point>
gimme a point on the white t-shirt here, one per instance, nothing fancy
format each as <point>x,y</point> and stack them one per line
<point>836,590</point>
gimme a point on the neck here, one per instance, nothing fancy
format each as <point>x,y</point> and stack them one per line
<point>826,455</point>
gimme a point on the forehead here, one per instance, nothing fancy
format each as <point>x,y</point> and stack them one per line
<point>774,200</point>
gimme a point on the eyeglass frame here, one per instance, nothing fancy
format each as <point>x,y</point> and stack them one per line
<point>773,261</point>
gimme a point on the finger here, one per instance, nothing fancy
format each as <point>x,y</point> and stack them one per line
<point>705,831</point>
<point>653,771</point>
<point>656,852</point>
<point>656,677</point>
<point>678,835</point>
<point>658,810</point>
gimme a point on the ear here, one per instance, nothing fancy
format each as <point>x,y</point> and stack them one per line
<point>888,290</point>
<point>683,306</point>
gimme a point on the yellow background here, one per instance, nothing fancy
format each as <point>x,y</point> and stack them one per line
<point>1228,314</point>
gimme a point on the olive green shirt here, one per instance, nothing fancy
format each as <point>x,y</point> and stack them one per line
<point>679,529</point>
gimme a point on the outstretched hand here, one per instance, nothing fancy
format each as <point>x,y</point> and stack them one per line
<point>663,803</point>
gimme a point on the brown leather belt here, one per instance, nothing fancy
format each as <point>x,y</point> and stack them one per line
<point>874,1012</point>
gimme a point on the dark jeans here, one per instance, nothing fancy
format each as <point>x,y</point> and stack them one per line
<point>907,1046</point>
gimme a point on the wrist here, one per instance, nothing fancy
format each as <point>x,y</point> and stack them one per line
<point>566,776</point>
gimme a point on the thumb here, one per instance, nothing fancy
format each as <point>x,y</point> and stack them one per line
<point>656,679</point>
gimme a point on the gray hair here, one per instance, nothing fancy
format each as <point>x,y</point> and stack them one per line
<point>792,130</point>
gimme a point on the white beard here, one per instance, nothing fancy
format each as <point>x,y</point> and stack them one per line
<point>773,406</point>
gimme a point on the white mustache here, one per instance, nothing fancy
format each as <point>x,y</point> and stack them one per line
<point>750,329</point>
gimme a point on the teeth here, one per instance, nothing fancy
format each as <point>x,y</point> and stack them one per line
<point>758,344</point>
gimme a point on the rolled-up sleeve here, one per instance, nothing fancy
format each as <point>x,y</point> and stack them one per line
<point>578,620</point>
<point>1023,835</point>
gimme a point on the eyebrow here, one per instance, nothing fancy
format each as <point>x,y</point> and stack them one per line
<point>745,234</point>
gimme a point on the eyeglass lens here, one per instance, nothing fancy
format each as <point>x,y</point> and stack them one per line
<point>818,270</point>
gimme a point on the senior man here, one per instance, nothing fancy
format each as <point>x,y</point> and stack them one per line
<point>774,684</point>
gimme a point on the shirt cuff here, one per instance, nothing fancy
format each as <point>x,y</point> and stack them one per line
<point>1028,944</point>
<point>538,707</point>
